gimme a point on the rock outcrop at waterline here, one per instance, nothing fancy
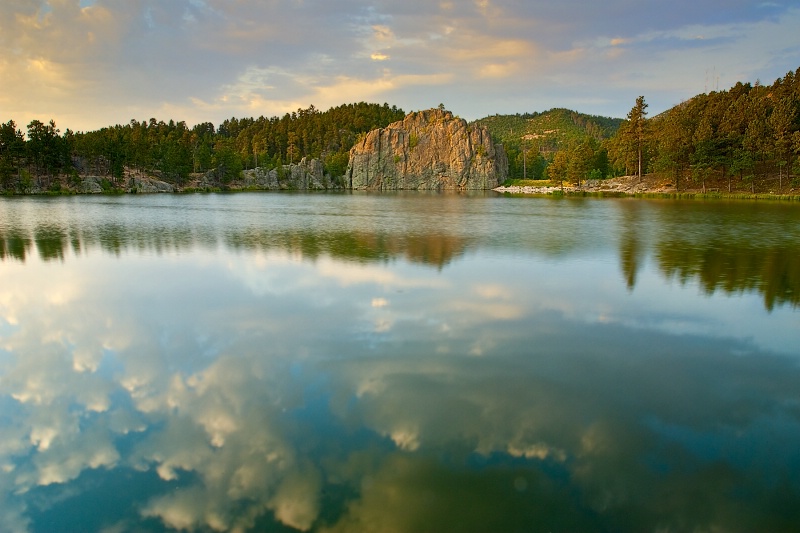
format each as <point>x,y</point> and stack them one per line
<point>306,175</point>
<point>428,150</point>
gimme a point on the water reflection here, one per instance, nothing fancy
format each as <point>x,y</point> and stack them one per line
<point>733,247</point>
<point>233,384</point>
<point>53,242</point>
<point>435,249</point>
<point>631,249</point>
<point>235,411</point>
<point>14,244</point>
<point>564,440</point>
<point>774,271</point>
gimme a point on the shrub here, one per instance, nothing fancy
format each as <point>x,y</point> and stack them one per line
<point>336,164</point>
<point>25,181</point>
<point>74,179</point>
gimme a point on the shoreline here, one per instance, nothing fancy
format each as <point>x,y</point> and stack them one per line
<point>650,186</point>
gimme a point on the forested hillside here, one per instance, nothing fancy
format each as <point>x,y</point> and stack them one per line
<point>746,138</point>
<point>531,140</point>
<point>173,152</point>
<point>743,139</point>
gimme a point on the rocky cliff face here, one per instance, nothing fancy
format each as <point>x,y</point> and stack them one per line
<point>427,150</point>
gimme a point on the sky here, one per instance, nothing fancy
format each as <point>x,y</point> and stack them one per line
<point>92,63</point>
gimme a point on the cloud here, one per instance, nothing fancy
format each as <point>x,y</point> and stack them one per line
<point>91,64</point>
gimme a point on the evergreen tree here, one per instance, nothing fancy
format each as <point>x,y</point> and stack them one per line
<point>635,131</point>
<point>781,122</point>
<point>557,170</point>
<point>227,161</point>
<point>673,152</point>
<point>12,151</point>
<point>46,150</point>
<point>579,162</point>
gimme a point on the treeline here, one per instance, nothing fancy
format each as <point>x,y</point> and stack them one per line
<point>44,153</point>
<point>533,140</point>
<point>745,137</point>
<point>174,151</point>
<point>579,161</point>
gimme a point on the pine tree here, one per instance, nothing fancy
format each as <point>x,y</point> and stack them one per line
<point>636,130</point>
<point>780,122</point>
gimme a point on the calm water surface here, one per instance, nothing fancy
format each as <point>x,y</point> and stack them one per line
<point>398,363</point>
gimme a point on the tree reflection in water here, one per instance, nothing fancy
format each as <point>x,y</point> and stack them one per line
<point>224,372</point>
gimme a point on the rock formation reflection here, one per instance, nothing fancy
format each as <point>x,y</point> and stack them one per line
<point>242,365</point>
<point>729,247</point>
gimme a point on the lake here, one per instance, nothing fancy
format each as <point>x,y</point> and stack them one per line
<point>398,363</point>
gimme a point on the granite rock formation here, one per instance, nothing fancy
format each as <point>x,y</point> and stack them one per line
<point>135,183</point>
<point>149,185</point>
<point>308,174</point>
<point>427,150</point>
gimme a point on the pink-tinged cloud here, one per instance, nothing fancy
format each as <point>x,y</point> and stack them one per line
<point>89,64</point>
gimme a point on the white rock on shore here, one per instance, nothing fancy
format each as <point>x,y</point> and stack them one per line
<point>514,189</point>
<point>623,184</point>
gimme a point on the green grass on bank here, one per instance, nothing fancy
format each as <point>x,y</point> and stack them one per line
<point>721,196</point>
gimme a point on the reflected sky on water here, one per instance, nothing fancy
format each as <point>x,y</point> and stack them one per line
<point>338,362</point>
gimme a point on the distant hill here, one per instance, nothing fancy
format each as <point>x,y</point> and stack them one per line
<point>540,135</point>
<point>550,130</point>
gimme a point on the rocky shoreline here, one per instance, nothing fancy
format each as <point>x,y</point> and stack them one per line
<point>308,175</point>
<point>650,184</point>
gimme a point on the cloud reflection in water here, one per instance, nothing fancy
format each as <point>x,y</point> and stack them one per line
<point>240,388</point>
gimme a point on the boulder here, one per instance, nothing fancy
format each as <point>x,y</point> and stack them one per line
<point>148,185</point>
<point>91,185</point>
<point>427,150</point>
<point>308,174</point>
